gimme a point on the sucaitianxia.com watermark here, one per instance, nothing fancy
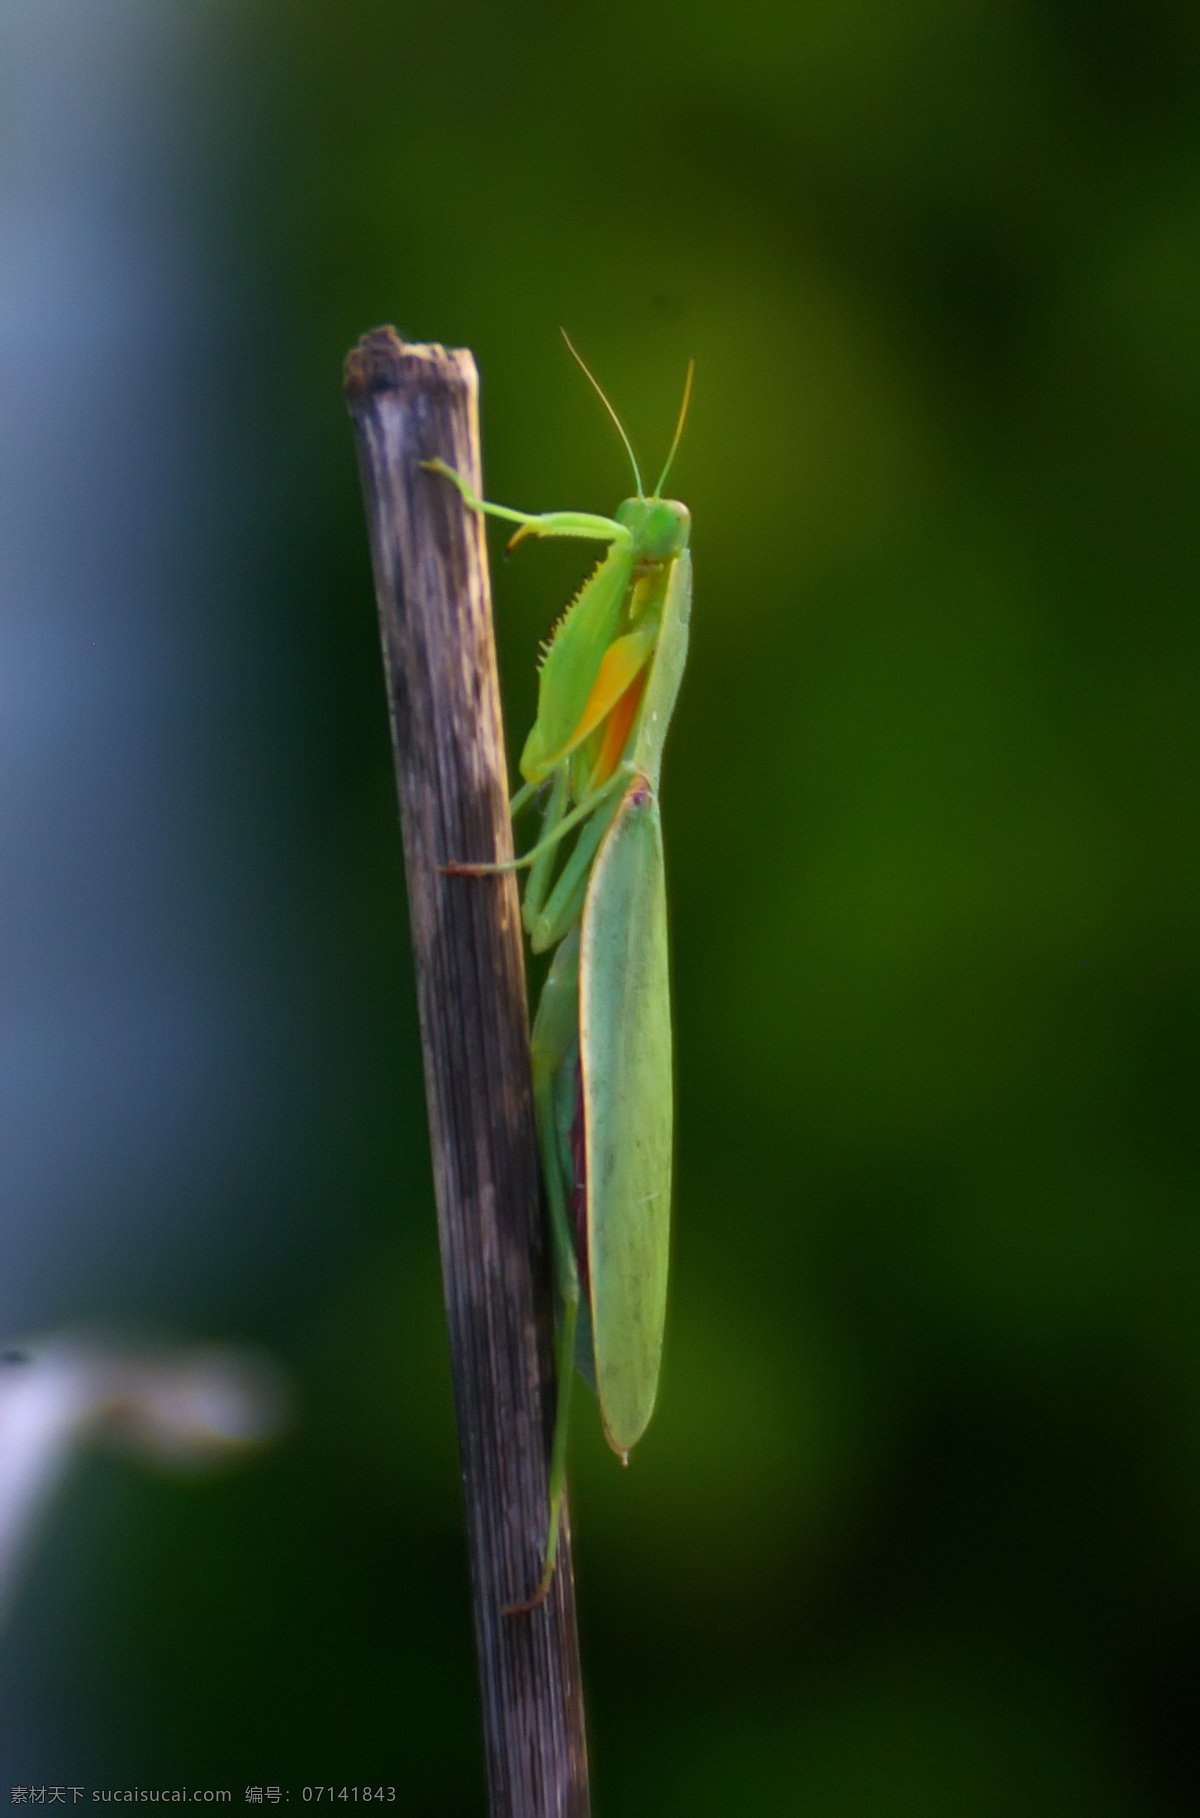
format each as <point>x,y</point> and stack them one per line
<point>127,1795</point>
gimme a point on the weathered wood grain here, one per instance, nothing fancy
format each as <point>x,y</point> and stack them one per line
<point>408,404</point>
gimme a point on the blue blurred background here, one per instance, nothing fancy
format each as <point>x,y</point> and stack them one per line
<point>917,1527</point>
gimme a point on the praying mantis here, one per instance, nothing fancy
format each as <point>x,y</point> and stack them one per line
<point>601,1040</point>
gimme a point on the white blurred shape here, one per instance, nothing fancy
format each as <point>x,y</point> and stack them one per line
<point>184,1410</point>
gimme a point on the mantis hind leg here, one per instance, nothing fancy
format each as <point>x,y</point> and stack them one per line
<point>555,1035</point>
<point>564,1365</point>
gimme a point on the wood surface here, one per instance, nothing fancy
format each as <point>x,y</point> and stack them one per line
<point>408,404</point>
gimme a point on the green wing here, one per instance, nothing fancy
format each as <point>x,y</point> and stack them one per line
<point>625,1041</point>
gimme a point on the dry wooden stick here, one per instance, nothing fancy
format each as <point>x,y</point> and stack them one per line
<point>409,404</point>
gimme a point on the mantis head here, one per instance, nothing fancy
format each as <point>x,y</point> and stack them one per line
<point>659,527</point>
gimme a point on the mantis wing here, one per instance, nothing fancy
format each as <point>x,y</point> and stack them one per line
<point>625,1045</point>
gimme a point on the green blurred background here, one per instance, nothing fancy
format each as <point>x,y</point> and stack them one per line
<point>916,1529</point>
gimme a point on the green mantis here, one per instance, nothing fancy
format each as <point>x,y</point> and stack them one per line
<point>602,1033</point>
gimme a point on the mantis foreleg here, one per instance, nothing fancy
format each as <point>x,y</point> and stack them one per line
<point>538,524</point>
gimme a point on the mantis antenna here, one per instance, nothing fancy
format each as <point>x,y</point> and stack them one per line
<point>637,473</point>
<point>683,410</point>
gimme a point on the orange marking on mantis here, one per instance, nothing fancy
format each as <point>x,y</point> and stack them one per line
<point>620,665</point>
<point>616,732</point>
